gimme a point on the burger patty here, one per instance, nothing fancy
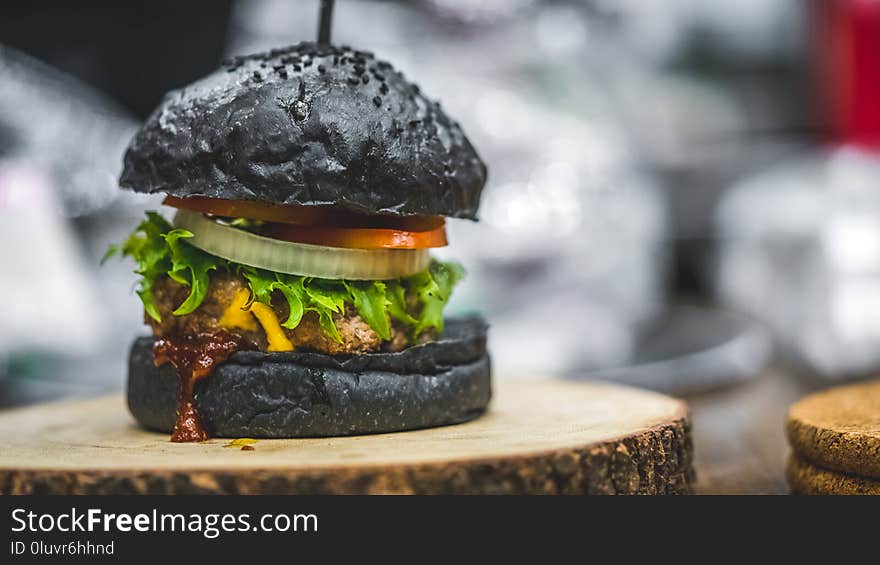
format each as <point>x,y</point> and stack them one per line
<point>355,333</point>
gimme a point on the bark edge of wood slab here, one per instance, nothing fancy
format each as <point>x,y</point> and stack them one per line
<point>805,478</point>
<point>545,437</point>
<point>839,429</point>
<point>306,394</point>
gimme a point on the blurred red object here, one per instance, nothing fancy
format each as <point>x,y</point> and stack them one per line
<point>847,56</point>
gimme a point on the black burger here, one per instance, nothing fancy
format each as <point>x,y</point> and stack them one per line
<point>293,293</point>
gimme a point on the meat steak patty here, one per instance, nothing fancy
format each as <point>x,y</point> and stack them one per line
<point>357,336</point>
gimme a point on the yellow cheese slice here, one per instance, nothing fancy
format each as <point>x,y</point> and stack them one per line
<point>274,333</point>
<point>235,316</point>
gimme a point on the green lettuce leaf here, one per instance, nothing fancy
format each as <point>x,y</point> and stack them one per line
<point>395,295</point>
<point>434,288</point>
<point>416,302</point>
<point>293,292</point>
<point>372,305</point>
<point>325,319</point>
<point>147,246</point>
<point>190,267</point>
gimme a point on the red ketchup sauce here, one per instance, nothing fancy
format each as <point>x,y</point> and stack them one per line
<point>195,357</point>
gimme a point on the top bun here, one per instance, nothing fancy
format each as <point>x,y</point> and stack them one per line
<point>311,125</point>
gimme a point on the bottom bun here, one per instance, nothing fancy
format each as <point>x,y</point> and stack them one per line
<point>305,394</point>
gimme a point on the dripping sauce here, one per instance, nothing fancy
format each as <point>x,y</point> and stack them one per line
<point>194,357</point>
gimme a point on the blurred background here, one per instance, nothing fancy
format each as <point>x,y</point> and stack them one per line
<point>683,194</point>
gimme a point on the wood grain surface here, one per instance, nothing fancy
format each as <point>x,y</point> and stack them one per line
<point>547,437</point>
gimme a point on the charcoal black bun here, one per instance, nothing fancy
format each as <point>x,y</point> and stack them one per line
<point>301,394</point>
<point>308,125</point>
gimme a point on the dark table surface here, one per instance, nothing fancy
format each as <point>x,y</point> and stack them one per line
<point>739,434</point>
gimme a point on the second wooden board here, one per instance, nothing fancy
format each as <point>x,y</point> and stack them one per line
<point>806,478</point>
<point>839,429</point>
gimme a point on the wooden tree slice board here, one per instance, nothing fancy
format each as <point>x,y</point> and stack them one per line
<point>546,437</point>
<point>806,478</point>
<point>839,429</point>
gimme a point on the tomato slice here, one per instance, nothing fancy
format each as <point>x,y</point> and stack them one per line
<point>357,238</point>
<point>303,215</point>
